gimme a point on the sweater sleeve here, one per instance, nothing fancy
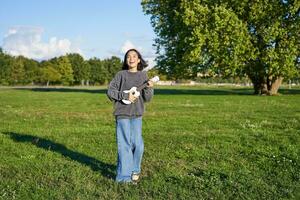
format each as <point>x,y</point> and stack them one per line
<point>147,92</point>
<point>113,92</point>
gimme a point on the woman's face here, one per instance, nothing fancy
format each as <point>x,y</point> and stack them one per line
<point>132,59</point>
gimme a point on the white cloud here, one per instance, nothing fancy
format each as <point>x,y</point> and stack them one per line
<point>126,46</point>
<point>26,41</point>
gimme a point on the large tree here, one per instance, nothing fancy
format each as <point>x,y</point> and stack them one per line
<point>31,68</point>
<point>63,66</point>
<point>48,73</point>
<point>112,66</point>
<point>259,39</point>
<point>17,71</point>
<point>98,71</point>
<point>5,67</point>
<point>81,68</point>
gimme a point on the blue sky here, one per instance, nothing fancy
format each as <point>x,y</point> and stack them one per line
<point>94,28</point>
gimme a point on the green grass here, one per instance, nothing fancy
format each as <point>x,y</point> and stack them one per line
<point>200,143</point>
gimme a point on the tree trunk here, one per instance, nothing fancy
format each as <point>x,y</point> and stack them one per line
<point>266,86</point>
<point>275,86</point>
<point>47,83</point>
<point>259,85</point>
<point>82,82</point>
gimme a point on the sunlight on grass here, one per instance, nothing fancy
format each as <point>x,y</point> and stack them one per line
<point>200,143</point>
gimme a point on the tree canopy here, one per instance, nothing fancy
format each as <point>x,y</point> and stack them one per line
<point>259,39</point>
<point>69,69</point>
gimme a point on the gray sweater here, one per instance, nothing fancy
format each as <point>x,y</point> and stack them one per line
<point>125,80</point>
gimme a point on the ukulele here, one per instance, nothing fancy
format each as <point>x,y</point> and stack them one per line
<point>136,90</point>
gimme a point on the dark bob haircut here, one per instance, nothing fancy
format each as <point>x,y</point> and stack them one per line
<point>140,66</point>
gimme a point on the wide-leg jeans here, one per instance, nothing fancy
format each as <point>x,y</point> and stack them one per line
<point>130,148</point>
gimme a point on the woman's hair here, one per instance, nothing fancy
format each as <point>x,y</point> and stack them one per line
<point>140,66</point>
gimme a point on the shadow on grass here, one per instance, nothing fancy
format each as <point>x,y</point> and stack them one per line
<point>168,91</point>
<point>289,91</point>
<point>222,91</point>
<point>107,170</point>
<point>50,89</point>
<point>158,91</point>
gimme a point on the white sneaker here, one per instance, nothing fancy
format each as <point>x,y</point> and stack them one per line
<point>135,177</point>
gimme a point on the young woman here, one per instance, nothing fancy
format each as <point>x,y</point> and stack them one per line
<point>129,116</point>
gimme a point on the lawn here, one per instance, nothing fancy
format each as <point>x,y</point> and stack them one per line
<point>201,142</point>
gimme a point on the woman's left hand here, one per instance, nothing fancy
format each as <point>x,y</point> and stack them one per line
<point>150,84</point>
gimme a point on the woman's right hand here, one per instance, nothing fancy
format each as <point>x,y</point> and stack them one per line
<point>132,98</point>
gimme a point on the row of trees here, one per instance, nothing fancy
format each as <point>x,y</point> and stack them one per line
<point>257,39</point>
<point>70,69</point>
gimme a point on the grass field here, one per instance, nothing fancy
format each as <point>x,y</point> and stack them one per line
<point>200,143</point>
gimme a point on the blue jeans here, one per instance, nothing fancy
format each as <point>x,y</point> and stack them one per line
<point>130,148</point>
